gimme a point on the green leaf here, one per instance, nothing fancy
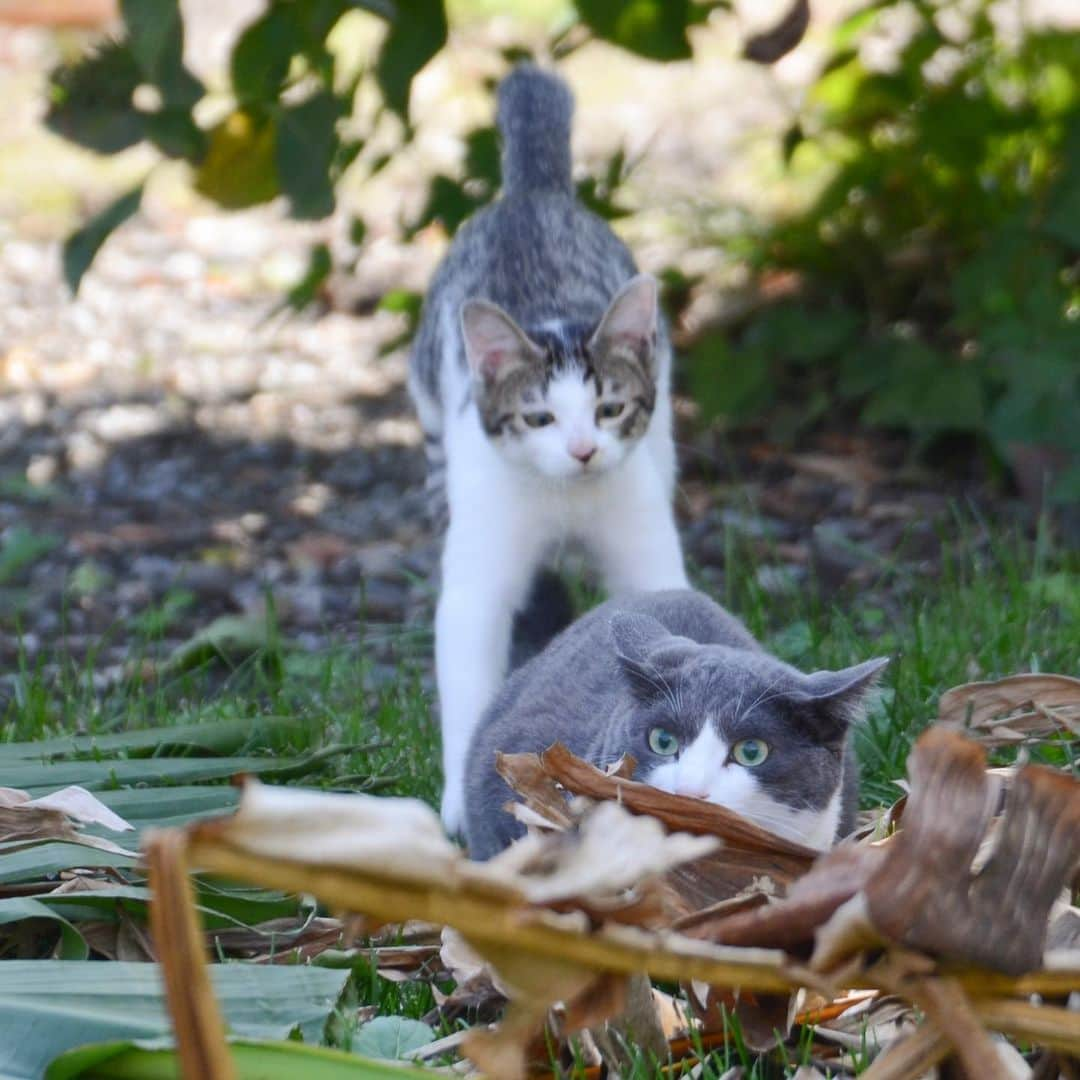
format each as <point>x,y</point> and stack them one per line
<point>652,28</point>
<point>417,33</point>
<point>1065,490</point>
<point>23,909</point>
<point>928,391</point>
<point>793,138</point>
<point>252,1060</point>
<point>145,806</point>
<point>1063,210</point>
<point>448,202</point>
<point>729,382</point>
<point>90,101</point>
<point>391,1037</point>
<point>238,169</point>
<point>43,861</point>
<point>318,270</point>
<point>403,302</point>
<point>101,775</point>
<point>155,31</point>
<point>304,151</point>
<point>219,906</point>
<point>262,55</point>
<point>219,737</point>
<point>21,548</point>
<point>49,1006</point>
<point>83,244</point>
<point>228,637</point>
<point>175,134</point>
<point>802,334</point>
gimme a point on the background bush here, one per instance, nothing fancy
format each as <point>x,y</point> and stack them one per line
<point>933,285</point>
<point>937,274</point>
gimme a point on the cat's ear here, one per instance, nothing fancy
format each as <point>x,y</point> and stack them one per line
<point>630,319</point>
<point>838,698</point>
<point>637,640</point>
<point>494,343</point>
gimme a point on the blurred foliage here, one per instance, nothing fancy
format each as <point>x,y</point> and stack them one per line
<point>290,130</point>
<point>934,284</point>
<point>283,134</point>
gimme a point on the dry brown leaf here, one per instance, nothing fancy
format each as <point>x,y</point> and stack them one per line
<point>57,816</point>
<point>751,858</point>
<point>919,889</point>
<point>912,1057</point>
<point>279,941</point>
<point>813,899</point>
<point>924,895</point>
<point>539,792</point>
<point>1014,710</point>
<point>857,472</point>
<point>119,939</point>
<point>947,1006</point>
<point>678,812</point>
<point>611,854</point>
<point>848,932</point>
<point>764,1019</point>
<point>634,1022</point>
<point>672,1014</point>
<point>466,965</point>
<point>81,883</point>
<point>328,829</point>
<point>1064,930</point>
<point>1045,1025</point>
<point>501,1051</point>
<point>546,913</point>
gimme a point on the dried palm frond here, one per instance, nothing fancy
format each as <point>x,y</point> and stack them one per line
<point>570,916</point>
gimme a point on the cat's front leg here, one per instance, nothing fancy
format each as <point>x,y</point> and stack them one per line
<point>636,542</point>
<point>487,568</point>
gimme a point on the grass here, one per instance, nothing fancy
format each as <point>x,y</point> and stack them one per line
<point>1015,606</point>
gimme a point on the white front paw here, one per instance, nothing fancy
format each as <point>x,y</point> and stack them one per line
<point>453,810</point>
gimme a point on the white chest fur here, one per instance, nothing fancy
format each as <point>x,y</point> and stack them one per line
<point>505,516</point>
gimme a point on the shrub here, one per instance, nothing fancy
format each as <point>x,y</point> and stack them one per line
<point>939,268</point>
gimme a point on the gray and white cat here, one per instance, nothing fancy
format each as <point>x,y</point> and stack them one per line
<point>540,375</point>
<point>673,679</point>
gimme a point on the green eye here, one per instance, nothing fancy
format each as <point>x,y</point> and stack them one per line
<point>609,410</point>
<point>750,752</point>
<point>538,419</point>
<point>662,742</point>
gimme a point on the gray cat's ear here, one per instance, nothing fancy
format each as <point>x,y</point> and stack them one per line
<point>838,697</point>
<point>630,319</point>
<point>637,638</point>
<point>494,343</point>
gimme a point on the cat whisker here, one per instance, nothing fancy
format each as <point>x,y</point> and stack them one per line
<point>760,699</point>
<point>657,681</point>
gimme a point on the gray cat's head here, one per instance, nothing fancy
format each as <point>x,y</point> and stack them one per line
<point>738,727</point>
<point>563,400</point>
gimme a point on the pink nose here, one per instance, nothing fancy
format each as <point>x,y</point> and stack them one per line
<point>583,452</point>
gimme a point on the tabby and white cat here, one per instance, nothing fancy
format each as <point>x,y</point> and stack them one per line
<point>540,374</point>
<point>674,680</point>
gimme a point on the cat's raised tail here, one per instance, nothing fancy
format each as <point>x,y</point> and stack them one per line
<point>535,110</point>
